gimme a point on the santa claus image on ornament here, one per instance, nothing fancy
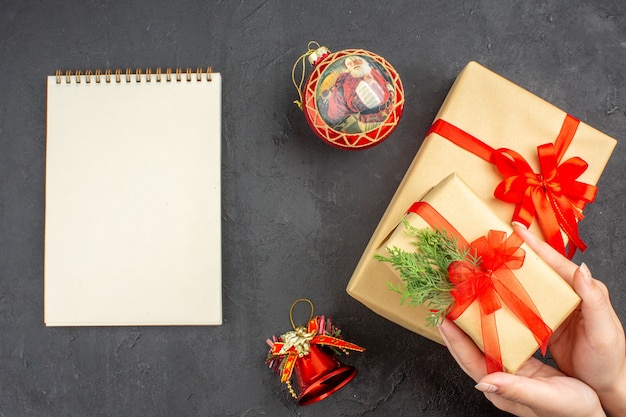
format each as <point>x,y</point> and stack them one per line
<point>354,94</point>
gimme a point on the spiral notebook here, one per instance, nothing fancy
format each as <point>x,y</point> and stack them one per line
<point>133,213</point>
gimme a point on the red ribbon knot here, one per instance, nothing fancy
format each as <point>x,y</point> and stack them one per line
<point>491,282</point>
<point>553,195</point>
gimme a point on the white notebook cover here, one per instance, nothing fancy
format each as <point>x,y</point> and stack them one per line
<point>133,201</point>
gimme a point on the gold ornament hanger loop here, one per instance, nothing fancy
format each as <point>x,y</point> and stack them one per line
<point>294,304</point>
<point>312,46</point>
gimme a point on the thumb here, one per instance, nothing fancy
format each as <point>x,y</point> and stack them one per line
<point>516,389</point>
<point>553,396</point>
<point>595,307</point>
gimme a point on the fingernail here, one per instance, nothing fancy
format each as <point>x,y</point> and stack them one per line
<point>586,273</point>
<point>484,387</point>
<point>523,226</point>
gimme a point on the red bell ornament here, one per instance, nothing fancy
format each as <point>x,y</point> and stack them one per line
<point>310,352</point>
<point>320,374</point>
<point>353,98</point>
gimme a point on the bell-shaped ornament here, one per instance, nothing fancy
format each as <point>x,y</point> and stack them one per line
<point>309,352</point>
<point>319,374</point>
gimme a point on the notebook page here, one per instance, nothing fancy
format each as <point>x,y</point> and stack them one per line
<point>132,232</point>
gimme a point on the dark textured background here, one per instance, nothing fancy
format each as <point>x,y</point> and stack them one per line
<point>296,213</point>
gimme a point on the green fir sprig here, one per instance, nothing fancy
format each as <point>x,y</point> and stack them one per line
<point>424,273</point>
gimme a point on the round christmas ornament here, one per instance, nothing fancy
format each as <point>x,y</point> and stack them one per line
<point>353,98</point>
<point>310,351</point>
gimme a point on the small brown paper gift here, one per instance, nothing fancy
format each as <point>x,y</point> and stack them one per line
<point>472,218</point>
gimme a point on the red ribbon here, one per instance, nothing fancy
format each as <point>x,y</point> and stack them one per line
<point>489,283</point>
<point>317,339</point>
<point>553,195</point>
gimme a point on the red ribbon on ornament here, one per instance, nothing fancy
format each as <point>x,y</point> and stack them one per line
<point>311,337</point>
<point>553,195</point>
<point>489,283</point>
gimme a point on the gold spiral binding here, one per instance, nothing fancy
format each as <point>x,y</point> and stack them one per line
<point>127,74</point>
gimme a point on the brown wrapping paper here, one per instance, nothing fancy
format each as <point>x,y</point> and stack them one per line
<point>503,115</point>
<point>542,283</point>
<point>500,114</point>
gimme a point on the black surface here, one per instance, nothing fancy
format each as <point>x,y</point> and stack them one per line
<point>296,213</point>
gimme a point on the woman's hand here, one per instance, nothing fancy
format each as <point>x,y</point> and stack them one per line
<point>590,344</point>
<point>537,390</point>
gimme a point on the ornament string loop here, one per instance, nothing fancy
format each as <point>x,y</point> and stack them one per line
<point>311,47</point>
<point>294,304</point>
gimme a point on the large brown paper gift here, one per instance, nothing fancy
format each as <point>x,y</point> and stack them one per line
<point>499,113</point>
<point>472,218</point>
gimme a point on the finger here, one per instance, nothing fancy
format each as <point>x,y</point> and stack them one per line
<point>596,307</point>
<point>507,392</point>
<point>563,266</point>
<point>463,350</point>
<point>543,396</point>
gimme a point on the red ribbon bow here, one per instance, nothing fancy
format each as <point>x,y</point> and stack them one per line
<point>553,195</point>
<point>311,337</point>
<point>490,282</point>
